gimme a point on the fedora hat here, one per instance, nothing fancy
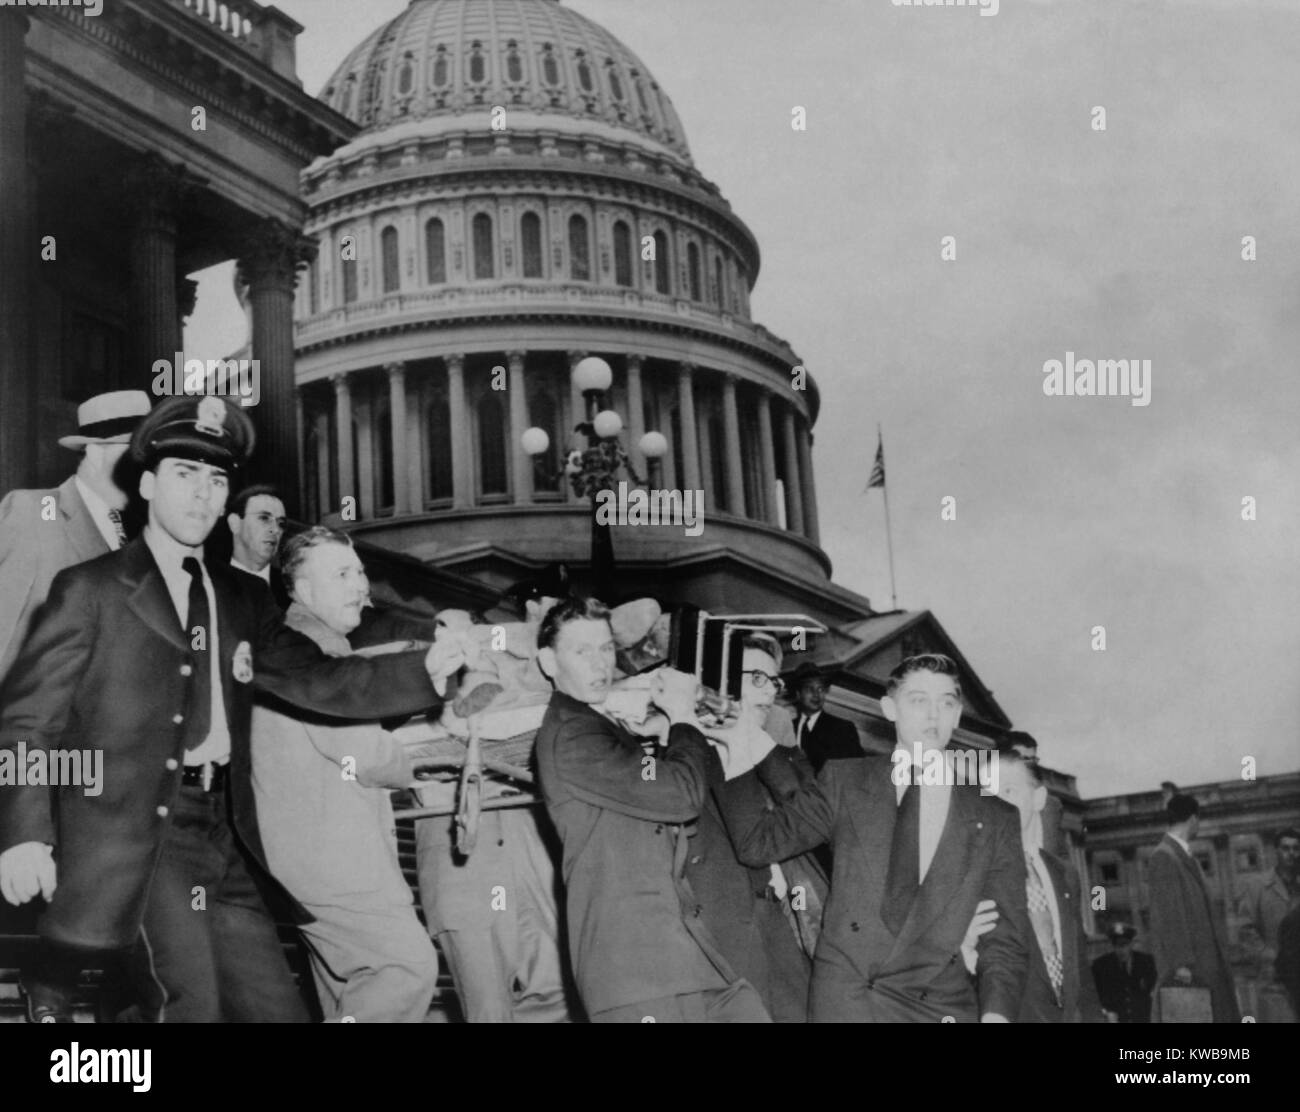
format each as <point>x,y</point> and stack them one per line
<point>108,418</point>
<point>806,672</point>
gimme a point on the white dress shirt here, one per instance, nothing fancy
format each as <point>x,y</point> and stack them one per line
<point>169,554</point>
<point>99,515</point>
<point>934,814</point>
<point>808,721</point>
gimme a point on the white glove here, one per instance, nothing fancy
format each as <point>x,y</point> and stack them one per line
<point>26,869</point>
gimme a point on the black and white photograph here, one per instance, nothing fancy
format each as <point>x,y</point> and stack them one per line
<point>693,511</point>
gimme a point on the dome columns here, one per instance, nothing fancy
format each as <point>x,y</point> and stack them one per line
<point>793,494</point>
<point>735,474</point>
<point>690,480</point>
<point>521,464</point>
<point>462,485</point>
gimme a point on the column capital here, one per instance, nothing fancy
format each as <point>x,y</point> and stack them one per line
<point>340,381</point>
<point>271,253</point>
<point>395,370</point>
<point>686,367</point>
<point>515,359</point>
<point>155,189</point>
<point>455,361</point>
<point>576,356</point>
<point>635,361</point>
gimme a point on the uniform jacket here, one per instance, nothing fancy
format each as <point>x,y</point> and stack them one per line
<point>1185,930</point>
<point>749,925</point>
<point>634,929</point>
<point>1127,994</point>
<point>321,787</point>
<point>33,551</point>
<point>108,666</point>
<point>1078,993</point>
<point>862,971</point>
<point>830,739</point>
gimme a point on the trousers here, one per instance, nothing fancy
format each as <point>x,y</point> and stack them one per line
<point>209,946</point>
<point>739,1002</point>
<point>495,916</point>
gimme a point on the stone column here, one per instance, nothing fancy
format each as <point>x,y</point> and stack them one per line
<point>578,409</point>
<point>154,188</point>
<point>690,442</point>
<point>343,449</point>
<point>521,463</point>
<point>790,452</point>
<point>664,406</point>
<point>17,379</point>
<point>735,468</point>
<point>269,263</point>
<point>708,454</point>
<point>415,454</point>
<point>636,416</point>
<point>366,484</point>
<point>397,418</point>
<point>462,477</point>
<point>804,440</point>
<point>767,454</point>
<point>300,423</point>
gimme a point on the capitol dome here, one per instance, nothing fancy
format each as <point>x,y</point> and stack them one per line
<point>519,195</point>
<point>441,60</point>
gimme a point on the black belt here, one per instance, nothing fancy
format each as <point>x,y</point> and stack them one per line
<point>209,777</point>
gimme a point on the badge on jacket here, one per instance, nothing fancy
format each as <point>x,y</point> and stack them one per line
<point>243,662</point>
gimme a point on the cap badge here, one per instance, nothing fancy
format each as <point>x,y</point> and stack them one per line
<point>212,417</point>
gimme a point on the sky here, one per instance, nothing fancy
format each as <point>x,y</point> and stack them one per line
<point>1071,513</point>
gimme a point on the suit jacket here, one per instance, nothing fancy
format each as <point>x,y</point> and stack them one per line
<point>830,739</point>
<point>634,928</point>
<point>33,551</point>
<point>1287,968</point>
<point>862,971</point>
<point>1185,930</point>
<point>749,925</point>
<point>108,667</point>
<point>1127,994</point>
<point>1079,1002</point>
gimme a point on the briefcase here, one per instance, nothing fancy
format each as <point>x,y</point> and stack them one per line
<point>1180,1004</point>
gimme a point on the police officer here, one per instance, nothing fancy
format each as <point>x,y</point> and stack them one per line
<point>152,656</point>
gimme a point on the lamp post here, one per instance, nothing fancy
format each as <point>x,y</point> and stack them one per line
<point>596,468</point>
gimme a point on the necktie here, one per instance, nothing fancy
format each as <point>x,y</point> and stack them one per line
<point>904,876</point>
<point>115,517</point>
<point>199,635</point>
<point>1041,917</point>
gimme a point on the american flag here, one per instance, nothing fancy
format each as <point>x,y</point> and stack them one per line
<point>878,471</point>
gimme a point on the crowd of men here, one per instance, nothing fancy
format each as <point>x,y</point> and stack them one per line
<point>680,868</point>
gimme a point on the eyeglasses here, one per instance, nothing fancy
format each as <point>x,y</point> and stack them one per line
<point>761,679</point>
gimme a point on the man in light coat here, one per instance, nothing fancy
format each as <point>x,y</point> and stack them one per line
<point>44,531</point>
<point>322,790</point>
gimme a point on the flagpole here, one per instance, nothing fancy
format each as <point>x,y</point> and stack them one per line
<point>889,536</point>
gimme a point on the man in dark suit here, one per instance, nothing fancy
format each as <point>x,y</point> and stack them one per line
<point>912,862</point>
<point>753,912</point>
<point>1059,987</point>
<point>638,947</point>
<point>44,531</point>
<point>151,658</point>
<point>256,521</point>
<point>821,735</point>
<point>1125,978</point>
<point>1188,939</point>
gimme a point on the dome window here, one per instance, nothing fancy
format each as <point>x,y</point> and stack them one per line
<point>493,482</point>
<point>388,251</point>
<point>640,95</point>
<point>435,252</point>
<point>663,283</point>
<point>622,253</point>
<point>477,67</point>
<point>438,422</point>
<point>406,76</point>
<point>349,281</point>
<point>514,63</point>
<point>615,85</point>
<point>483,254</point>
<point>550,67</point>
<point>579,249</point>
<point>693,270</point>
<point>584,74</point>
<point>718,281</point>
<point>530,235</point>
<point>440,68</point>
